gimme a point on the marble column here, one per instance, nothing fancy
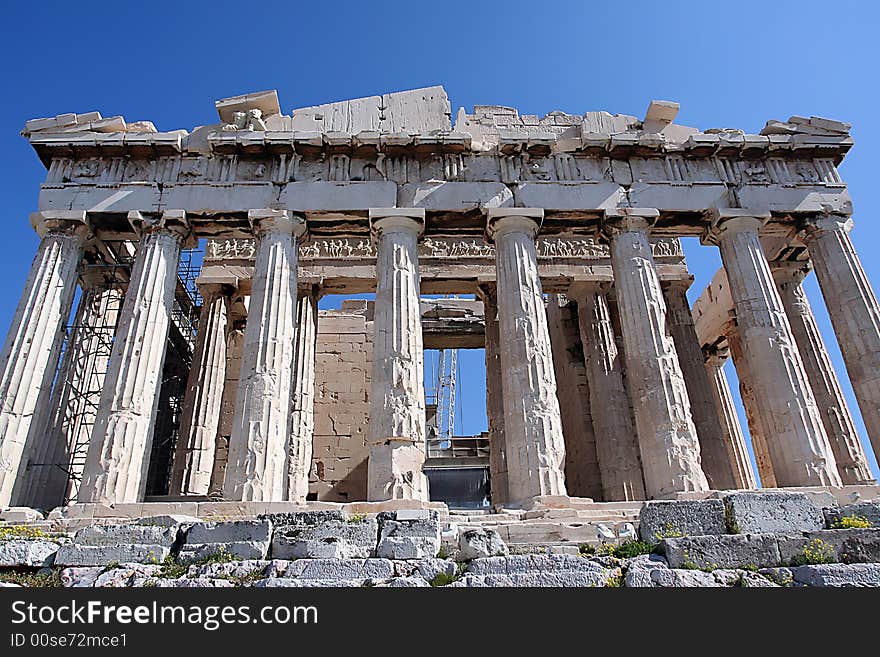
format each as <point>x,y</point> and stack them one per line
<point>33,345</point>
<point>734,439</point>
<point>667,436</point>
<point>852,463</point>
<point>796,438</point>
<point>494,396</point>
<point>197,437</point>
<point>257,467</point>
<point>853,309</point>
<point>617,446</point>
<point>119,452</point>
<point>714,449</point>
<point>77,392</point>
<point>397,396</point>
<point>302,412</point>
<point>535,448</point>
<point>757,429</point>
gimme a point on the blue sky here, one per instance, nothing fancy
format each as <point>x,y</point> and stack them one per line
<point>728,64</point>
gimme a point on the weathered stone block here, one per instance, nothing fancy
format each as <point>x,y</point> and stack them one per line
<point>27,553</point>
<point>870,511</point>
<point>125,576</point>
<point>431,568</point>
<point>771,512</point>
<point>169,520</point>
<point>838,575</point>
<point>336,569</point>
<point>527,563</point>
<point>408,534</point>
<point>230,532</point>
<point>20,514</point>
<point>80,577</point>
<point>479,543</point>
<point>119,534</point>
<point>330,539</point>
<point>404,582</point>
<point>597,578</point>
<point>843,545</point>
<point>659,519</point>
<point>667,577</point>
<point>101,555</point>
<point>725,551</point>
<point>302,518</point>
<point>190,553</point>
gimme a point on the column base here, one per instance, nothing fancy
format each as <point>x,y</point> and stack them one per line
<point>394,471</point>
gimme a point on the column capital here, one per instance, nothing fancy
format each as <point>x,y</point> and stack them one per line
<point>789,272</point>
<point>818,225</point>
<point>716,356</point>
<point>263,220</point>
<point>513,220</point>
<point>61,222</point>
<point>628,220</point>
<point>733,220</point>
<point>410,220</point>
<point>215,289</point>
<point>174,222</point>
<point>683,284</point>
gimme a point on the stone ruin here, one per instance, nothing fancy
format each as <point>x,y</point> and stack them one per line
<point>196,391</point>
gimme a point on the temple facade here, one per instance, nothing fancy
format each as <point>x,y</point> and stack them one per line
<point>559,235</point>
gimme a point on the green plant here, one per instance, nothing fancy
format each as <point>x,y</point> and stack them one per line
<point>442,553</point>
<point>222,555</point>
<point>357,517</point>
<point>852,522</point>
<point>626,550</point>
<point>586,549</point>
<point>729,520</point>
<point>667,532</point>
<point>12,532</point>
<point>51,579</point>
<point>111,566</point>
<point>815,552</point>
<point>443,579</point>
<point>171,569</point>
<point>614,582</point>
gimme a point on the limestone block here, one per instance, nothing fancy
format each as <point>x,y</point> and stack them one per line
<point>404,582</point>
<point>169,520</point>
<point>395,471</point>
<point>125,575</point>
<point>659,519</point>
<point>431,568</point>
<point>408,535</point>
<point>183,582</point>
<point>725,551</point>
<point>838,575</point>
<point>302,518</point>
<point>870,511</point>
<point>772,512</point>
<point>80,577</point>
<point>479,543</point>
<point>247,567</point>
<point>539,579</point>
<point>27,553</point>
<point>845,545</point>
<point>308,583</point>
<point>243,539</point>
<point>670,578</point>
<point>334,539</point>
<point>20,514</point>
<point>336,569</point>
<point>119,534</point>
<point>527,563</point>
<point>743,578</point>
<point>101,555</point>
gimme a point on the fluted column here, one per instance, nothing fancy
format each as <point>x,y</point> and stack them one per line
<point>119,452</point>
<point>257,467</point>
<point>852,463</point>
<point>397,395</point>
<point>77,392</point>
<point>714,452</point>
<point>667,436</point>
<point>617,446</point>
<point>757,429</point>
<point>535,448</point>
<point>494,396</point>
<point>33,344</point>
<point>197,437</point>
<point>796,438</point>
<point>853,309</point>
<point>734,439</point>
<point>302,424</point>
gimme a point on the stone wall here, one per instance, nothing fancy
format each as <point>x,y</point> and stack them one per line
<point>343,362</point>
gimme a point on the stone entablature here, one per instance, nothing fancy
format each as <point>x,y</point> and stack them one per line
<point>354,248</point>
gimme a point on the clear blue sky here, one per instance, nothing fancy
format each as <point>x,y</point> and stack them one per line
<point>728,64</point>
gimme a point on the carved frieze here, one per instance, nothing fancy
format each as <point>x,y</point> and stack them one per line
<point>453,248</point>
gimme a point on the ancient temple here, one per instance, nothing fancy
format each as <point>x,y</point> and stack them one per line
<point>559,234</point>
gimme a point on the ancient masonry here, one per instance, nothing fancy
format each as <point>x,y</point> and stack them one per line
<point>158,393</point>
